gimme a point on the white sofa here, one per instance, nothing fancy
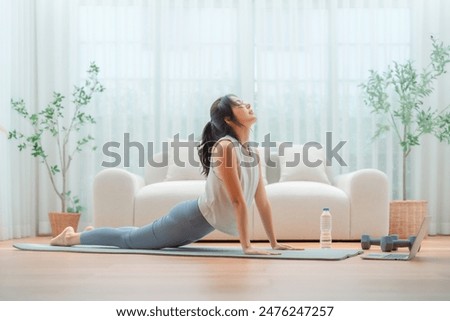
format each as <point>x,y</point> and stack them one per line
<point>358,201</point>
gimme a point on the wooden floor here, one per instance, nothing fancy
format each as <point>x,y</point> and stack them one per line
<point>35,276</point>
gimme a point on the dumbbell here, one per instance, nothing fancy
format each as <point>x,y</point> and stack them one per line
<point>392,243</point>
<point>367,241</point>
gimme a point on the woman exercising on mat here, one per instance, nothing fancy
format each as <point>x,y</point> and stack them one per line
<point>233,181</point>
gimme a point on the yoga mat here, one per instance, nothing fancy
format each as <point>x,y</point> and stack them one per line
<point>200,251</point>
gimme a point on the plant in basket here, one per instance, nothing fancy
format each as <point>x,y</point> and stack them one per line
<point>398,98</point>
<point>55,125</point>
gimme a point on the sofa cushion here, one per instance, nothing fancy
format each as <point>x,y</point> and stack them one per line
<point>296,166</point>
<point>296,208</point>
<point>182,166</point>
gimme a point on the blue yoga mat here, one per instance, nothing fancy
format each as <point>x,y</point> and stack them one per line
<point>200,251</point>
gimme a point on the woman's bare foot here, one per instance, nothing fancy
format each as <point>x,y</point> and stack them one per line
<point>65,238</point>
<point>88,228</point>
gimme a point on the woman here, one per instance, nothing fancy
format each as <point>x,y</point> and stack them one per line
<point>233,181</point>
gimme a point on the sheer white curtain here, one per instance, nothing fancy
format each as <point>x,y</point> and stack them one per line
<point>18,198</point>
<point>430,170</point>
<point>299,62</point>
<point>5,180</point>
<point>310,62</point>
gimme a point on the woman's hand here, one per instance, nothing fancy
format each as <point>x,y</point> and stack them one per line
<point>280,246</point>
<point>253,251</point>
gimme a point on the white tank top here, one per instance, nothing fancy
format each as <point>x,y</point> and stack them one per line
<point>215,204</point>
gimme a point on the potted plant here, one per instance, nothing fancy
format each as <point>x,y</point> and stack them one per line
<point>397,97</point>
<point>55,124</point>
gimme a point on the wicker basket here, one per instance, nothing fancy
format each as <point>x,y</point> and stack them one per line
<point>406,217</point>
<point>60,221</point>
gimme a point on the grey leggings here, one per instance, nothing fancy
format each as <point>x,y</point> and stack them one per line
<point>183,225</point>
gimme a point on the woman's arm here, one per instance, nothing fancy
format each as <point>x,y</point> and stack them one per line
<point>265,212</point>
<point>226,166</point>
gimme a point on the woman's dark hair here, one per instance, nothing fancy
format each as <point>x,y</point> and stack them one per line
<point>216,128</point>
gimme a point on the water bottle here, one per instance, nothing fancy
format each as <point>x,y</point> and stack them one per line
<point>325,229</point>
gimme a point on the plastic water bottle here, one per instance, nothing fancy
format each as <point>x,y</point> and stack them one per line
<point>325,229</point>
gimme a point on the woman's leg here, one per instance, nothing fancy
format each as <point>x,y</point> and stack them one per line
<point>184,224</point>
<point>107,236</point>
<point>102,236</point>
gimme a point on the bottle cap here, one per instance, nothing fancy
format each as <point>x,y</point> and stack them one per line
<point>326,208</point>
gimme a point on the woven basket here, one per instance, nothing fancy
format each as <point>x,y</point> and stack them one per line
<point>406,217</point>
<point>60,221</point>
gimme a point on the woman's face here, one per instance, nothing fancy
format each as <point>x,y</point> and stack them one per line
<point>243,112</point>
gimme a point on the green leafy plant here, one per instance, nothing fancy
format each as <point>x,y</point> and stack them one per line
<point>397,96</point>
<point>59,123</point>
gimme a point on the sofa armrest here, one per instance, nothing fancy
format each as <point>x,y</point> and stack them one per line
<point>368,192</point>
<point>114,193</point>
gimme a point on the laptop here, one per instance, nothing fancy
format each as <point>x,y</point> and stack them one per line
<point>403,256</point>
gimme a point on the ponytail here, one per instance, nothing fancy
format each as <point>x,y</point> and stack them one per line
<point>215,129</point>
<point>205,148</point>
